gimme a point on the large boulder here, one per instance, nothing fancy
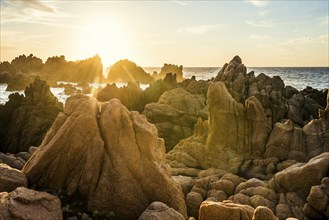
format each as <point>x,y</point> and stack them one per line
<point>175,115</point>
<point>11,178</point>
<point>301,177</point>
<point>117,164</point>
<point>27,204</point>
<point>26,119</point>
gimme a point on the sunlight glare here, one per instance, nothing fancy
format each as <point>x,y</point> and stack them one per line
<point>105,37</point>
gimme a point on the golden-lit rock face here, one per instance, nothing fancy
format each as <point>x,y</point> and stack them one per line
<point>110,156</point>
<point>234,126</point>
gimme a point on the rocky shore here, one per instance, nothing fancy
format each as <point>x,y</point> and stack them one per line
<point>237,146</point>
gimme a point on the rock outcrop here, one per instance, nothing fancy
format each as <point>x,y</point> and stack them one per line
<point>25,120</point>
<point>27,204</point>
<point>128,71</point>
<point>175,115</point>
<point>170,68</point>
<point>117,164</point>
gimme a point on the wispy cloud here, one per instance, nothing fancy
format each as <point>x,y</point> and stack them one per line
<point>33,4</point>
<point>258,3</point>
<point>258,37</point>
<point>264,23</point>
<point>180,2</point>
<point>199,29</point>
<point>31,11</point>
<point>324,20</point>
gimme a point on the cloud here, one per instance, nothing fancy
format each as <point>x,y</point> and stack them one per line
<point>258,3</point>
<point>258,37</point>
<point>264,23</point>
<point>31,11</point>
<point>324,38</point>
<point>180,2</point>
<point>199,29</point>
<point>33,4</point>
<point>324,20</point>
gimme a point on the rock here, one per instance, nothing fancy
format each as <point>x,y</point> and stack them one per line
<point>175,115</point>
<point>300,177</point>
<point>317,205</point>
<point>263,213</point>
<point>128,71</point>
<point>11,178</point>
<point>23,203</point>
<point>170,68</point>
<point>242,129</point>
<point>27,119</point>
<point>88,70</point>
<point>119,148</point>
<point>185,182</point>
<point>160,211</point>
<point>19,82</point>
<point>225,210</point>
<point>32,150</point>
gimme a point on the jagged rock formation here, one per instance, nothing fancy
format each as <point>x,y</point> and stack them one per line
<point>170,68</point>
<point>117,164</point>
<point>23,203</point>
<point>133,97</point>
<point>175,115</point>
<point>128,95</point>
<point>25,120</point>
<point>128,71</point>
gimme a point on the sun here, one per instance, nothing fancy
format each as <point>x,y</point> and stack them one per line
<point>105,37</point>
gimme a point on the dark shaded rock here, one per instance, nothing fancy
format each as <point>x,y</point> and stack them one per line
<point>19,82</point>
<point>128,71</point>
<point>28,118</point>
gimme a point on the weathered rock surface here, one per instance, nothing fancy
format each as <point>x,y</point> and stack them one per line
<point>263,213</point>
<point>11,178</point>
<point>117,164</point>
<point>225,210</point>
<point>175,115</point>
<point>160,211</point>
<point>301,177</point>
<point>27,204</point>
<point>25,120</point>
<point>317,206</point>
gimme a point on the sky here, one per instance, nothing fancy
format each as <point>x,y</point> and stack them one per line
<point>151,33</point>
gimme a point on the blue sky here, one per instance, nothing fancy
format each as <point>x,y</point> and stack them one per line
<point>150,33</point>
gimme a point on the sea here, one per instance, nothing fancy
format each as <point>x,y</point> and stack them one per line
<point>298,77</point>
